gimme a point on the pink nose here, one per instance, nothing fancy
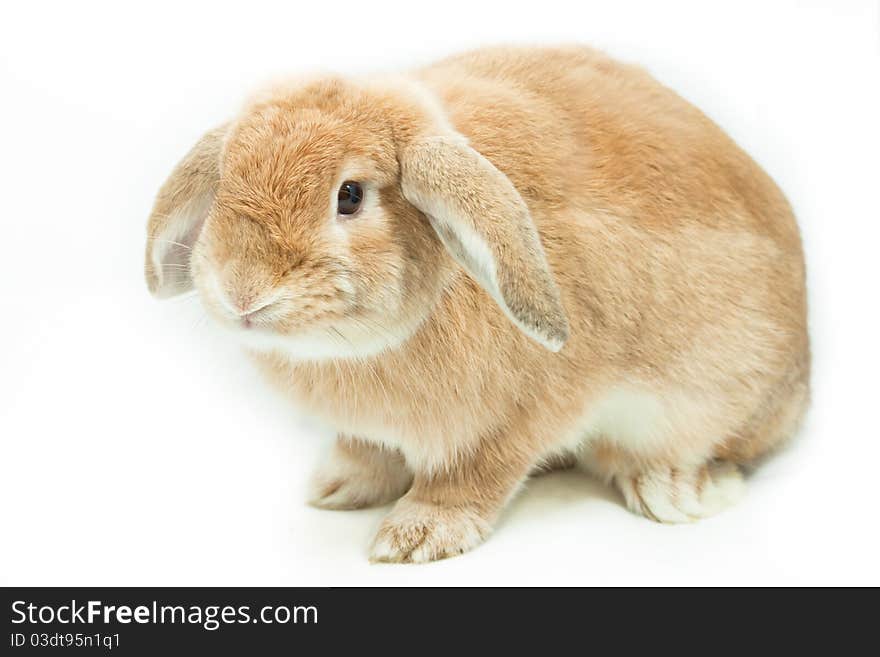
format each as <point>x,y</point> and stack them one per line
<point>247,307</point>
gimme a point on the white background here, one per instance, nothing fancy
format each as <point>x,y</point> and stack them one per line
<point>140,448</point>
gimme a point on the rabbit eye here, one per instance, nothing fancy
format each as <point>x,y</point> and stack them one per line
<point>350,196</point>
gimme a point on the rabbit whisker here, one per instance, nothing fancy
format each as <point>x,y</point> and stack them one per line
<point>180,244</point>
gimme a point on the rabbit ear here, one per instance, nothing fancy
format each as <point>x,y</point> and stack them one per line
<point>179,212</point>
<point>487,228</point>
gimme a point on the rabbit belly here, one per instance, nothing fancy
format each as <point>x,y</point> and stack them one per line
<point>641,425</point>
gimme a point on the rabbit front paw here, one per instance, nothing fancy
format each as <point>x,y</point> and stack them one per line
<point>417,532</point>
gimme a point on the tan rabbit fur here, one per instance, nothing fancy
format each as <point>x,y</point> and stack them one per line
<point>556,258</point>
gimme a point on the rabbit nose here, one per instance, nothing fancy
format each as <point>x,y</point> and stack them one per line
<point>244,304</point>
<point>248,307</point>
<point>244,291</point>
<point>253,308</point>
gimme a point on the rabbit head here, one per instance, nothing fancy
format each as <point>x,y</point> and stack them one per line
<point>327,218</point>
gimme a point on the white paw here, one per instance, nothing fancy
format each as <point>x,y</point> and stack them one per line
<point>672,495</point>
<point>345,483</point>
<point>415,533</point>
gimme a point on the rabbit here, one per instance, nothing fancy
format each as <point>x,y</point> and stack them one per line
<point>515,257</point>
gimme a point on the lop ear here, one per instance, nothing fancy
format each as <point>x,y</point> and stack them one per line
<point>179,212</point>
<point>486,227</point>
